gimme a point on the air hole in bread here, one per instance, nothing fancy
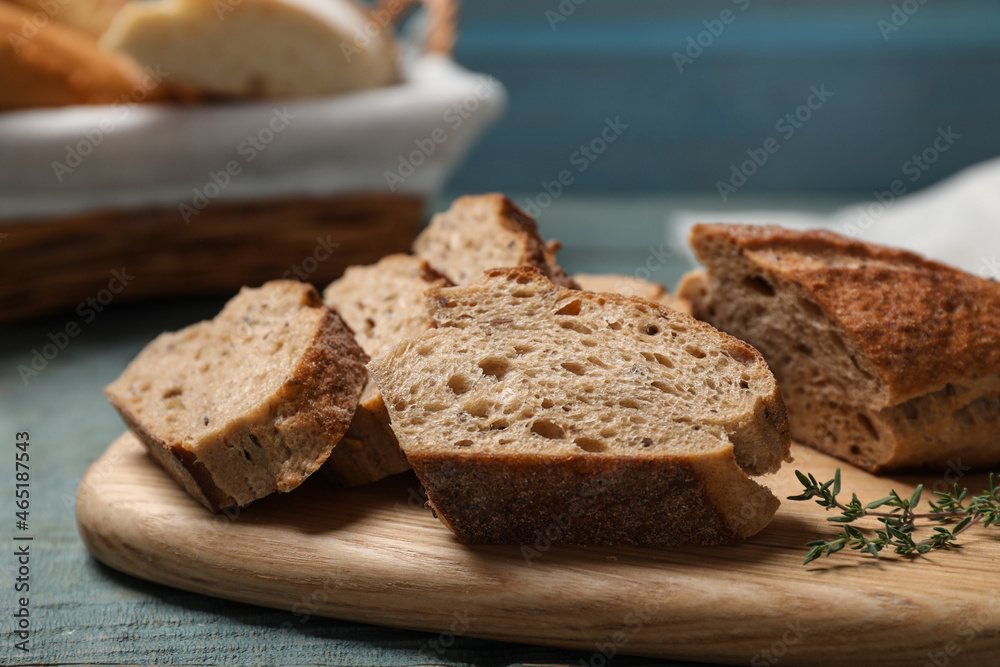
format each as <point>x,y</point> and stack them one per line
<point>522,279</point>
<point>812,308</point>
<point>172,391</point>
<point>860,370</point>
<point>868,426</point>
<point>480,408</point>
<point>499,425</point>
<point>400,405</point>
<point>588,342</point>
<point>651,330</point>
<point>463,443</point>
<point>804,349</point>
<point>523,349</point>
<point>855,450</point>
<point>608,433</point>
<point>495,366</point>
<point>459,384</point>
<point>590,445</point>
<point>424,350</point>
<point>744,384</point>
<point>597,362</point>
<point>547,429</point>
<point>663,386</point>
<point>435,406</point>
<point>571,308</point>
<point>523,294</point>
<point>615,326</point>
<point>637,419</point>
<point>695,351</point>
<point>573,367</point>
<point>576,326</point>
<point>663,360</point>
<point>759,285</point>
<point>629,403</point>
<point>547,403</point>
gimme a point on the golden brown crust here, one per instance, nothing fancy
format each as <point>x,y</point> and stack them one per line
<point>922,324</point>
<point>590,500</point>
<point>60,66</point>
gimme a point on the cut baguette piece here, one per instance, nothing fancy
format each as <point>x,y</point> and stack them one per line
<point>250,402</point>
<point>631,286</point>
<point>382,303</point>
<point>62,66</point>
<point>536,412</point>
<point>885,359</point>
<point>481,232</point>
<point>258,48</point>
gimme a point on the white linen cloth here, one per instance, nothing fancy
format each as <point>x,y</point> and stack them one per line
<point>58,161</point>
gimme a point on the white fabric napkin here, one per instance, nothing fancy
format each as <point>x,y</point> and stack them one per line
<point>56,161</point>
<point>956,221</point>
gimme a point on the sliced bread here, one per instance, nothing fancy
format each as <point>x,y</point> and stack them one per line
<point>250,402</point>
<point>382,303</point>
<point>885,359</point>
<point>258,48</point>
<point>533,412</point>
<point>481,232</point>
<point>631,286</point>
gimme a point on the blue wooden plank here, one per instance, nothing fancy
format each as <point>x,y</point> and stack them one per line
<point>686,129</point>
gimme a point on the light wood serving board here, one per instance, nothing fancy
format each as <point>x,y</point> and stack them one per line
<point>373,555</point>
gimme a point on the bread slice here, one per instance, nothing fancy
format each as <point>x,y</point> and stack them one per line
<point>885,359</point>
<point>258,48</point>
<point>631,286</point>
<point>250,402</point>
<point>56,65</point>
<point>382,303</point>
<point>481,232</point>
<point>532,412</point>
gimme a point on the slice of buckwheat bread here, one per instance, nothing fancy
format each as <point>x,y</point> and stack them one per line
<point>886,359</point>
<point>537,412</point>
<point>489,231</point>
<point>250,402</point>
<point>382,303</point>
<point>631,286</point>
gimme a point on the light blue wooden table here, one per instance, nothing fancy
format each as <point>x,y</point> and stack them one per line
<point>82,612</point>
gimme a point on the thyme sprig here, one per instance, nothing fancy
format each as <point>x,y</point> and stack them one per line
<point>899,524</point>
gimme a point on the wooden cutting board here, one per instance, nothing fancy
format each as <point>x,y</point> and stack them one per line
<point>375,555</point>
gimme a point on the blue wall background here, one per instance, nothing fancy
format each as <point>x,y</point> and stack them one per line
<point>892,90</point>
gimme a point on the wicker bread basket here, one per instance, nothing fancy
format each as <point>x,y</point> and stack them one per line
<point>307,208</point>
